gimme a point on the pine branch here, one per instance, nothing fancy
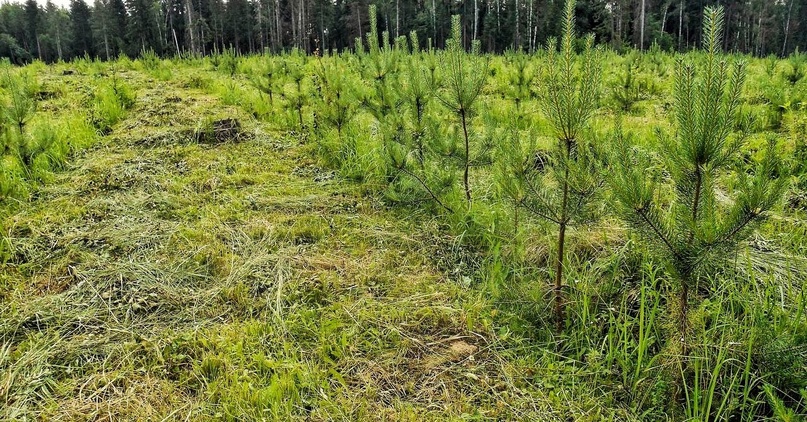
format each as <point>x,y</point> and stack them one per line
<point>426,187</point>
<point>642,213</point>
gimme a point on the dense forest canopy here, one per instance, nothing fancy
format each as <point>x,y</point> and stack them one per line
<point>108,28</point>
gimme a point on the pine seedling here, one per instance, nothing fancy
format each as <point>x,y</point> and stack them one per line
<point>465,76</point>
<point>520,80</point>
<point>515,163</point>
<point>296,98</point>
<point>22,105</point>
<point>338,102</point>
<point>229,61</point>
<point>266,80</point>
<point>337,105</point>
<point>39,144</point>
<point>561,183</point>
<point>629,88</point>
<point>380,68</point>
<point>684,219</point>
<point>417,93</point>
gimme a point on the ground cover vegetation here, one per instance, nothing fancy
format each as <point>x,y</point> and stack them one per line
<point>406,233</point>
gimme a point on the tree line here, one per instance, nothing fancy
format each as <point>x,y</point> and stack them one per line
<point>108,28</point>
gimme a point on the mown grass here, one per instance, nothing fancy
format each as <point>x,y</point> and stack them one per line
<point>158,277</point>
<point>174,267</point>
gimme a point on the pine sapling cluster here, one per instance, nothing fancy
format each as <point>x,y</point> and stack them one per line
<point>412,152</point>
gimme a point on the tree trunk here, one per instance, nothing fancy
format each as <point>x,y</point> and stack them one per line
<point>476,18</point>
<point>434,23</point>
<point>641,27</point>
<point>530,31</point>
<point>680,22</point>
<point>787,28</point>
<point>59,44</point>
<point>683,321</point>
<point>259,21</point>
<point>466,173</point>
<point>358,18</point>
<point>106,43</point>
<point>176,41</point>
<point>560,313</point>
<point>278,29</point>
<point>559,308</point>
<point>517,41</point>
<point>295,23</point>
<point>189,7</point>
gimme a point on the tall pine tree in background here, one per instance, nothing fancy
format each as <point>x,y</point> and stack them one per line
<point>239,25</point>
<point>28,30</point>
<point>140,30</point>
<point>32,24</point>
<point>82,43</point>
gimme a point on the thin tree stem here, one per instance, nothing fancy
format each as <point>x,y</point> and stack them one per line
<point>559,308</point>
<point>467,155</point>
<point>696,200</point>
<point>683,309</point>
<point>559,311</point>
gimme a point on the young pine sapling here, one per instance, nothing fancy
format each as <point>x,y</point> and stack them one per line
<point>266,80</point>
<point>297,97</point>
<point>686,218</point>
<point>561,183</point>
<point>23,103</point>
<point>465,76</point>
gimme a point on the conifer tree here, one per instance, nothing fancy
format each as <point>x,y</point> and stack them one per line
<point>682,216</point>
<point>141,30</point>
<point>465,76</point>
<point>33,17</point>
<point>381,70</point>
<point>297,98</point>
<point>266,79</point>
<point>57,23</point>
<point>559,185</point>
<point>80,16</point>
<point>22,105</point>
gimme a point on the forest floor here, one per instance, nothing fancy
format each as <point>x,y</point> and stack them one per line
<point>197,265</point>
